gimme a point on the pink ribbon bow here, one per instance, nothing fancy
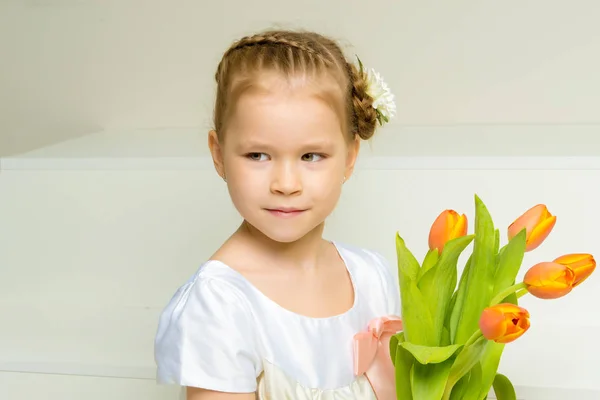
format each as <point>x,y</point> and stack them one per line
<point>372,355</point>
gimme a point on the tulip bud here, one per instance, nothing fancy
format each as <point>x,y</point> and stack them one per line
<point>582,265</point>
<point>549,280</point>
<point>504,322</point>
<point>537,222</point>
<point>447,226</point>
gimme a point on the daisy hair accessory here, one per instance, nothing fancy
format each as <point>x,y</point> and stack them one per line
<point>383,99</point>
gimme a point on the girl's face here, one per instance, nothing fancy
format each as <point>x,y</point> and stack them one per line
<point>285,156</point>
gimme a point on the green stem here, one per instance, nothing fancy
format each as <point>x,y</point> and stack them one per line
<point>476,335</point>
<point>522,293</point>
<point>508,291</point>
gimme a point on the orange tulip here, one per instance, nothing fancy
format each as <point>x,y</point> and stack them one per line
<point>549,280</point>
<point>582,265</point>
<point>504,322</point>
<point>537,222</point>
<point>447,226</point>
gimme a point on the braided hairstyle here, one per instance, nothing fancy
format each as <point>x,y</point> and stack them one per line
<point>291,54</point>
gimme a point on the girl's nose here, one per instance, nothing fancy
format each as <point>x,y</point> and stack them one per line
<point>286,180</point>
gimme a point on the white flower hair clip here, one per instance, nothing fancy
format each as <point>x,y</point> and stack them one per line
<point>383,98</point>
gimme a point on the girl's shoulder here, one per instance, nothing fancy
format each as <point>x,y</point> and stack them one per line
<point>214,287</point>
<point>207,323</point>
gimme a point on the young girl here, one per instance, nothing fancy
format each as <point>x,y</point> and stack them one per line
<point>278,312</point>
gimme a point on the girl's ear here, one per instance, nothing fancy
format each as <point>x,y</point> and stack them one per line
<point>216,153</point>
<point>353,149</point>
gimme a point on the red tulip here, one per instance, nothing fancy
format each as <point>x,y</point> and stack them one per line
<point>504,322</point>
<point>582,265</point>
<point>549,280</point>
<point>447,226</point>
<point>537,222</point>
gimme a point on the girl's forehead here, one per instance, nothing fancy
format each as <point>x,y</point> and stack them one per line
<point>286,130</point>
<point>284,115</point>
<point>273,84</point>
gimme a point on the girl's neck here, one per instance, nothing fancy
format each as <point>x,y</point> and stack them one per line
<point>304,253</point>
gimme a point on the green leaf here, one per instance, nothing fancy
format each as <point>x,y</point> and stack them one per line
<point>445,337</point>
<point>431,258</point>
<point>503,388</point>
<point>459,301</point>
<point>416,317</point>
<point>403,364</point>
<point>509,263</point>
<point>465,360</point>
<point>428,381</point>
<point>497,241</point>
<point>489,365</point>
<point>408,266</point>
<point>472,390</point>
<point>438,284</point>
<point>430,354</point>
<point>460,388</point>
<point>394,341</point>
<point>480,284</point>
<point>450,308</point>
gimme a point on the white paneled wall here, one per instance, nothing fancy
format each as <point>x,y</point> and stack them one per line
<point>89,256</point>
<point>20,386</point>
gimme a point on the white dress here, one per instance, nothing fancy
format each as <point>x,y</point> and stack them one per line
<point>219,332</point>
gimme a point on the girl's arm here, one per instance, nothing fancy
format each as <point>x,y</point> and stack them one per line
<point>202,394</point>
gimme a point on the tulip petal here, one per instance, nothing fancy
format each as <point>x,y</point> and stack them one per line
<point>447,226</point>
<point>537,222</point>
<point>510,338</point>
<point>516,327</point>
<point>583,273</point>
<point>582,264</point>
<point>460,227</point>
<point>528,220</point>
<point>540,233</point>
<point>573,258</point>
<point>549,294</point>
<point>508,308</point>
<point>504,322</point>
<point>549,280</point>
<point>437,233</point>
<point>492,323</point>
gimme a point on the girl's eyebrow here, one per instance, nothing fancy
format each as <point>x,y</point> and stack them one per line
<point>253,143</point>
<point>321,143</point>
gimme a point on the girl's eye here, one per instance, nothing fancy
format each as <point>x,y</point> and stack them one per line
<point>312,157</point>
<point>257,156</point>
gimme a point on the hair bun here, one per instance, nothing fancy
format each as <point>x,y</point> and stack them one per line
<point>364,113</point>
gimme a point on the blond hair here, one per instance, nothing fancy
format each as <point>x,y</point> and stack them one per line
<point>291,54</point>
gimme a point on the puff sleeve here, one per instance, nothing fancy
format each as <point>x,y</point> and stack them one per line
<point>390,283</point>
<point>205,338</point>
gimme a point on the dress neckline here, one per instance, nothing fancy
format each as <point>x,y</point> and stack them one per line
<point>349,269</point>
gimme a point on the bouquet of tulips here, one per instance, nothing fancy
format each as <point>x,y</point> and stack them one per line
<point>454,333</point>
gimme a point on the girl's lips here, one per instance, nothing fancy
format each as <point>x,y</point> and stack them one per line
<point>285,212</point>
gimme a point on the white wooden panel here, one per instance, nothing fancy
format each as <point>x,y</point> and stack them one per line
<point>21,386</point>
